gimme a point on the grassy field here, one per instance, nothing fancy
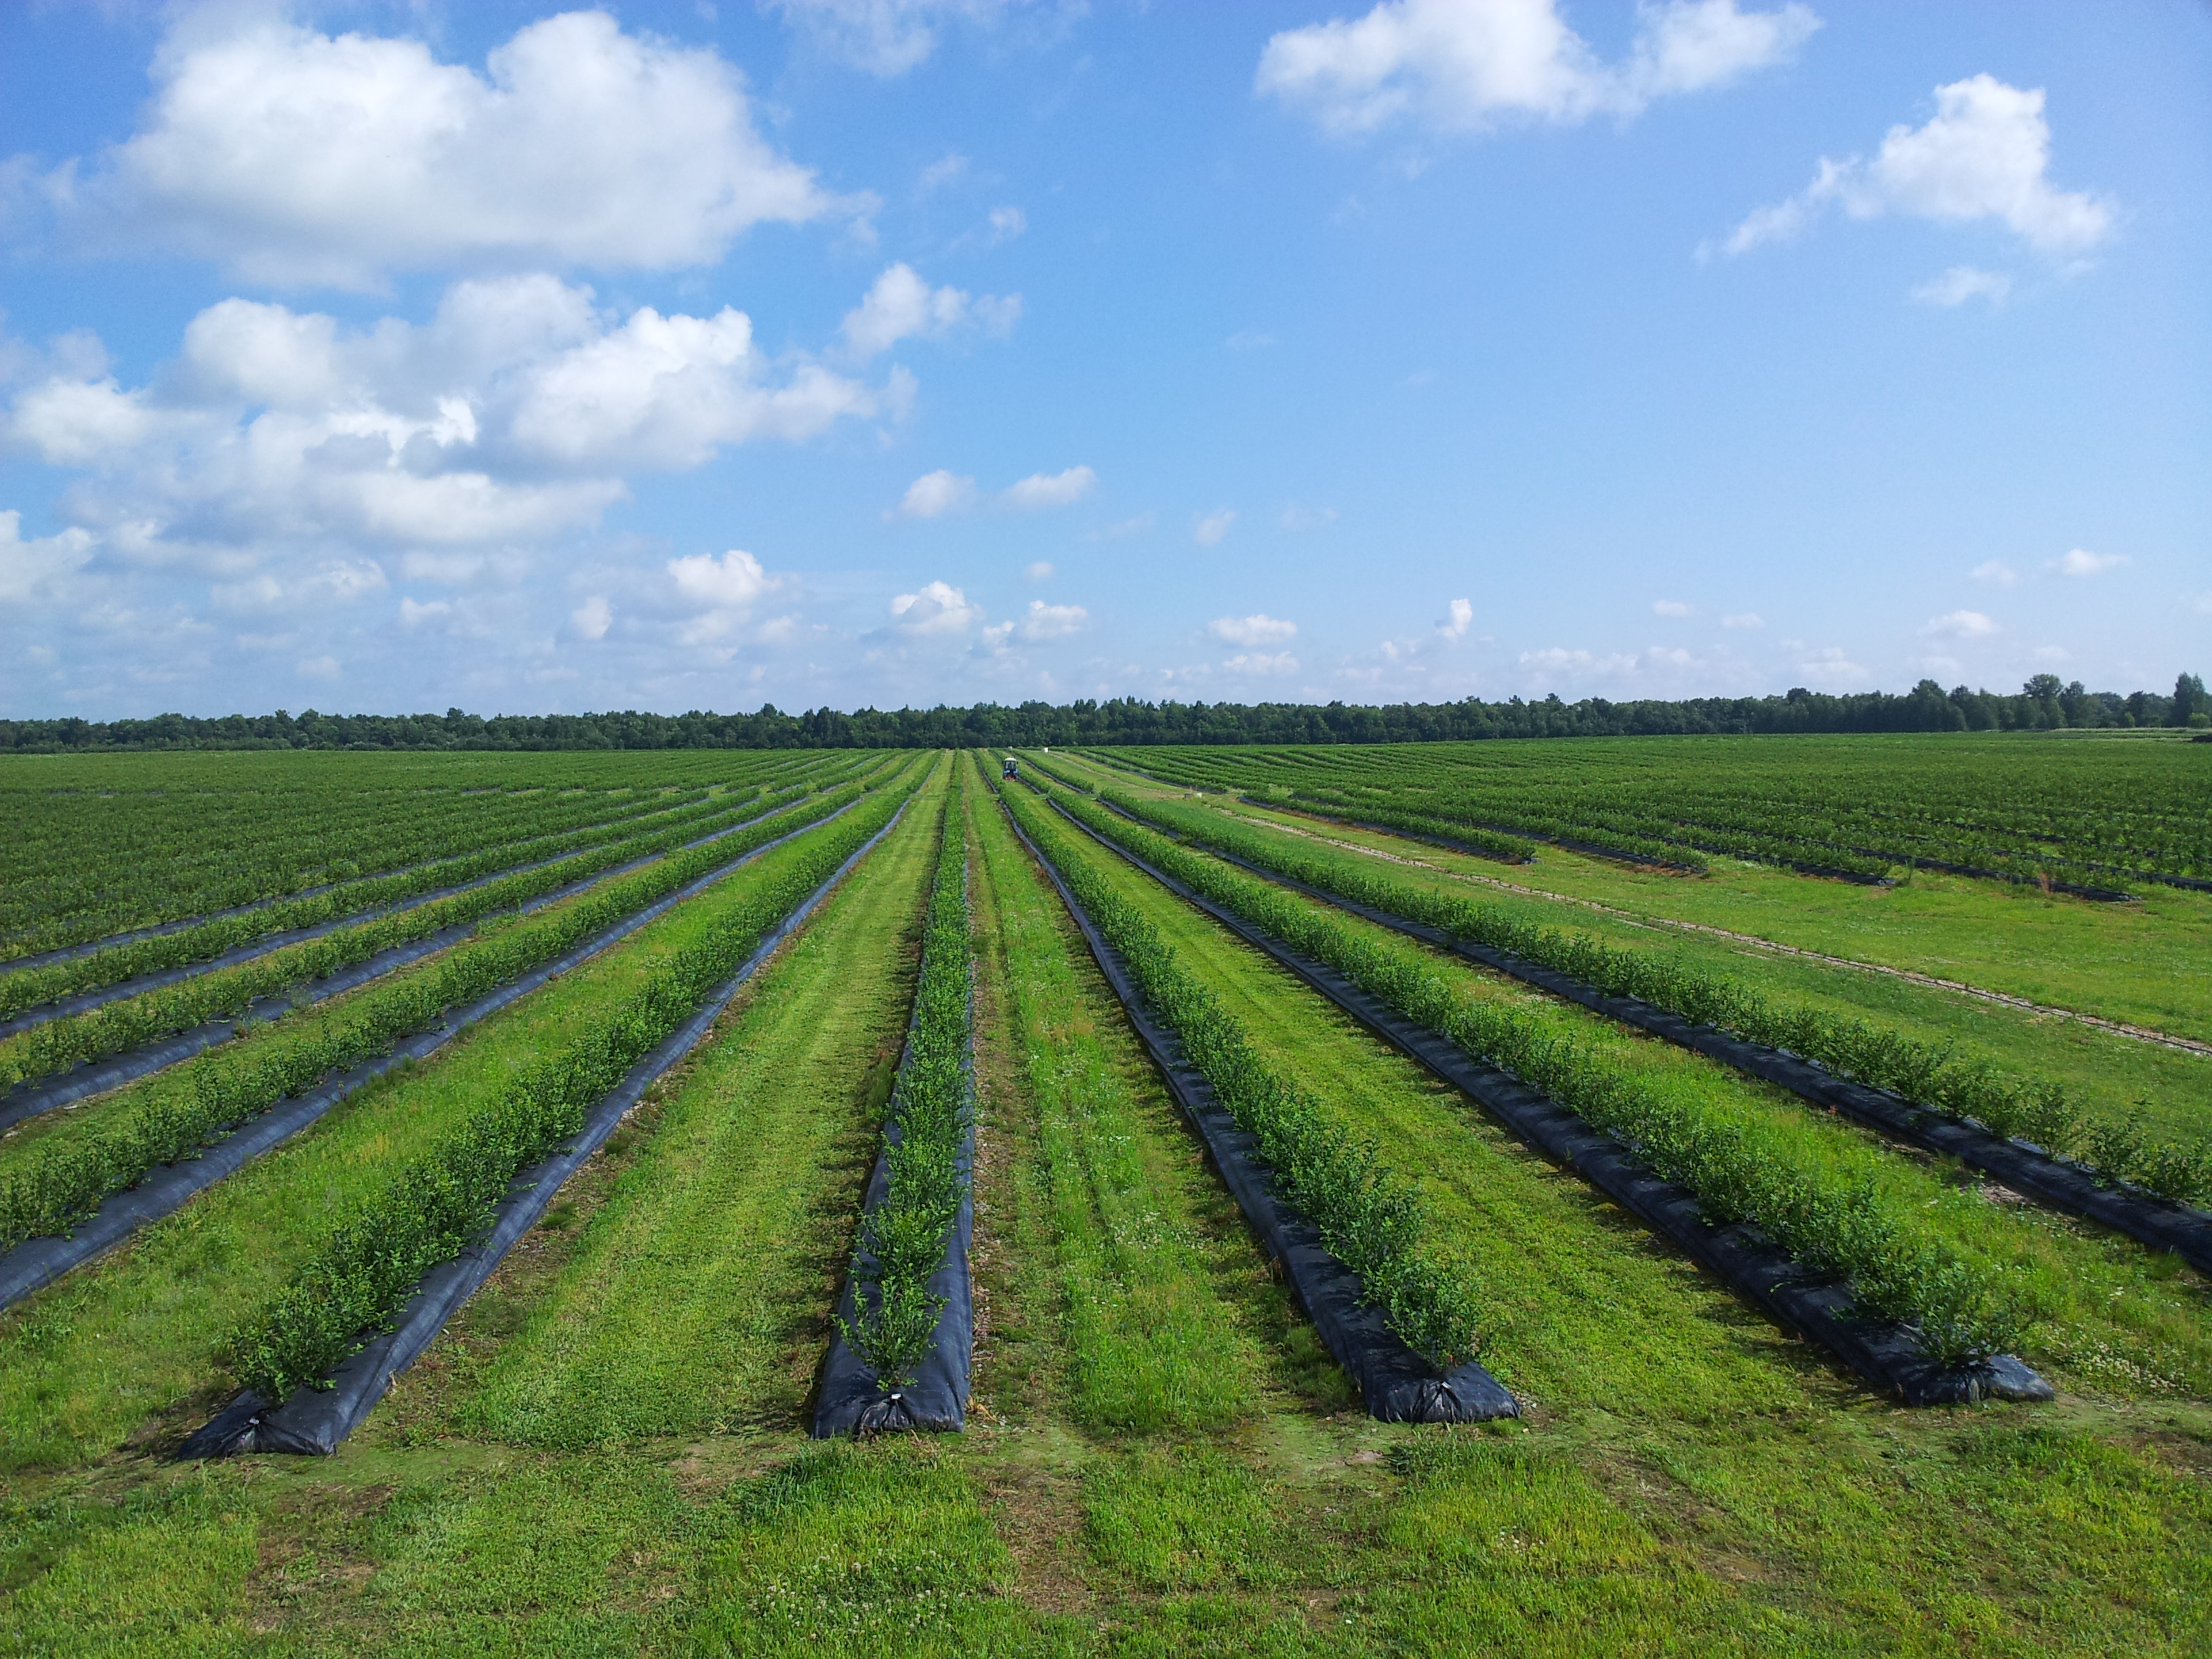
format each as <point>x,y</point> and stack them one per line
<point>2117,1074</point>
<point>606,1451</point>
<point>2147,962</point>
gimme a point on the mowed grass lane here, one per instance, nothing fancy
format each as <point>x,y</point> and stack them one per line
<point>1142,1304</point>
<point>128,1347</point>
<point>1705,1426</point>
<point>2147,962</point>
<point>1689,1481</point>
<point>699,1299</point>
<point>2115,1076</point>
<point>2116,1320</point>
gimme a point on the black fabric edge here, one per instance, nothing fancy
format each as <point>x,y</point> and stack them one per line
<point>1882,1352</point>
<point>1395,1384</point>
<point>38,1262</point>
<point>36,1096</point>
<point>850,1399</point>
<point>2048,1179</point>
<point>317,1421</point>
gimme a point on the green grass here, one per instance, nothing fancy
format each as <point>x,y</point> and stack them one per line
<point>1688,1480</point>
<point>129,1345</point>
<point>2115,1076</point>
<point>2112,1311</point>
<point>2147,962</point>
<point>700,1294</point>
<point>1132,1229</point>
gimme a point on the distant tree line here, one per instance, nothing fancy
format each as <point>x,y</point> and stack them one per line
<point>2042,704</point>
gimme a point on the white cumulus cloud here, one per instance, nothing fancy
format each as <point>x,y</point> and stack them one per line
<point>293,156</point>
<point>1962,283</point>
<point>669,391</point>
<point>1262,662</point>
<point>2081,563</point>
<point>1452,65</point>
<point>1258,629</point>
<point>40,568</point>
<point>1052,489</point>
<point>935,493</point>
<point>1986,154</point>
<point>940,608</point>
<point>1461,618</point>
<point>1053,622</point>
<point>509,417</point>
<point>593,618</point>
<point>902,306</point>
<point>1744,619</point>
<point>1961,625</point>
<point>887,38</point>
<point>1670,608</point>
<point>1041,571</point>
<point>1996,571</point>
<point>1211,527</point>
<point>731,582</point>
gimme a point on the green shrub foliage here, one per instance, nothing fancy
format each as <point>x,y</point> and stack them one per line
<point>1748,1172</point>
<point>31,987</point>
<point>1929,1075</point>
<point>904,1239</point>
<point>1369,1219</point>
<point>119,1026</point>
<point>175,1114</point>
<point>435,1203</point>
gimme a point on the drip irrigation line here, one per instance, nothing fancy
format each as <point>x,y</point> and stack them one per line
<point>38,1262</point>
<point>36,1096</point>
<point>1884,1352</point>
<point>316,1421</point>
<point>2025,1168</point>
<point>1397,1384</point>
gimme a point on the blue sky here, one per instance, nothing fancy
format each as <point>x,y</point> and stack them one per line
<point>391,356</point>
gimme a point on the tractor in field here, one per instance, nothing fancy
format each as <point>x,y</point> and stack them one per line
<point>1013,768</point>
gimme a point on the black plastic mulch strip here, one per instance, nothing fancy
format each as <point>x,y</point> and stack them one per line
<point>2100,895</point>
<point>158,930</point>
<point>2193,883</point>
<point>316,1421</point>
<point>850,1399</point>
<point>1816,1305</point>
<point>1396,1385</point>
<point>84,1002</point>
<point>38,1262</point>
<point>2025,1168</point>
<point>37,1096</point>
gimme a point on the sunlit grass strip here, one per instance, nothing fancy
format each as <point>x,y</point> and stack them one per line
<point>1739,1172</point>
<point>1369,1216</point>
<point>904,1239</point>
<point>431,1207</point>
<point>1927,1074</point>
<point>59,1182</point>
<point>120,1026</point>
<point>33,988</point>
<point>1154,1342</point>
